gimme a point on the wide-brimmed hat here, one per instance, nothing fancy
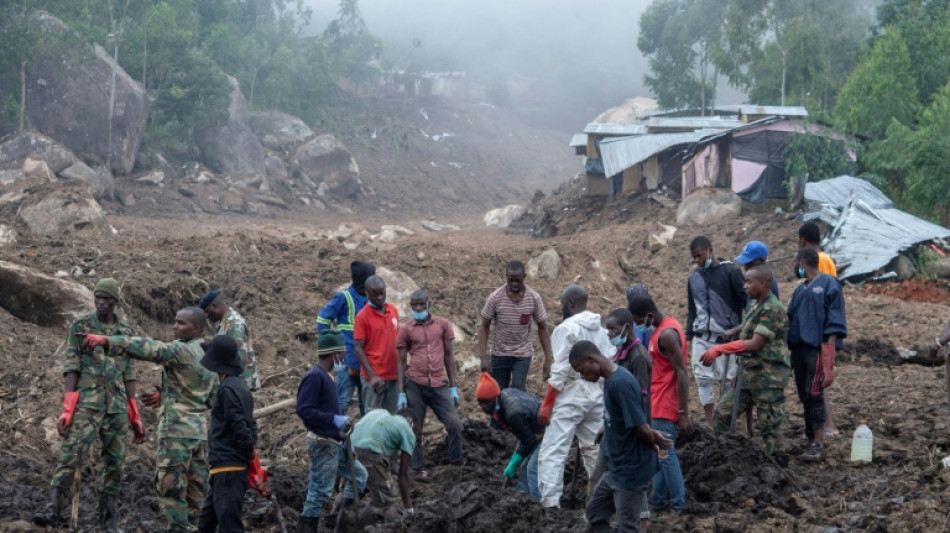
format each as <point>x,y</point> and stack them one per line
<point>221,356</point>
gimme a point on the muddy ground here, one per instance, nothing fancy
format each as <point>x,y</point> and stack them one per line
<point>279,274</point>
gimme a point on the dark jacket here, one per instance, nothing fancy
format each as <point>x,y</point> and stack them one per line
<point>233,432</point>
<point>318,402</point>
<point>815,312</point>
<point>518,413</point>
<point>637,360</point>
<point>716,300</point>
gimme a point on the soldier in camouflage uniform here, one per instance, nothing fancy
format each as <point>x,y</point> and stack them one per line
<point>232,324</point>
<point>99,397</point>
<point>181,477</point>
<point>766,367</point>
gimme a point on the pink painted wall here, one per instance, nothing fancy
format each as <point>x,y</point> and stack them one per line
<point>744,174</point>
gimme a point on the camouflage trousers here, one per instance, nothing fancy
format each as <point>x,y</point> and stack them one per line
<point>87,425</point>
<point>181,481</point>
<point>769,414</point>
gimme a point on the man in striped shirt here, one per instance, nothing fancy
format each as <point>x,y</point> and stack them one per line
<point>513,307</point>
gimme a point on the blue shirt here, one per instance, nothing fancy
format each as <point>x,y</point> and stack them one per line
<point>630,461</point>
<point>342,309</point>
<point>317,403</point>
<point>815,312</point>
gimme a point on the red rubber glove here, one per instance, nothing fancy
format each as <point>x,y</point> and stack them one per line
<point>544,413</point>
<point>138,428</point>
<point>257,476</point>
<point>711,354</point>
<point>91,341</point>
<point>153,400</point>
<point>70,401</point>
<point>827,360</point>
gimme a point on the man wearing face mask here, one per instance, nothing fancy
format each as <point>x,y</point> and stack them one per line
<point>427,340</point>
<point>571,405</point>
<point>631,354</point>
<point>638,290</point>
<point>817,327</point>
<point>374,341</point>
<point>669,397</point>
<point>318,408</point>
<point>342,310</point>
<point>715,300</point>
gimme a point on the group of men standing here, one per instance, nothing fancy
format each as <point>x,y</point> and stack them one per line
<point>620,387</point>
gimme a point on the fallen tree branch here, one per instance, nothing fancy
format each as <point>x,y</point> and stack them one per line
<point>275,407</point>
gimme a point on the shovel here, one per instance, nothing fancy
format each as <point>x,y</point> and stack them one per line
<point>737,392</point>
<point>348,449</point>
<point>572,488</point>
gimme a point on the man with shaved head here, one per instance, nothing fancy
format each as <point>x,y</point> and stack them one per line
<point>187,393</point>
<point>765,360</point>
<point>571,405</point>
<point>427,377</point>
<point>374,341</point>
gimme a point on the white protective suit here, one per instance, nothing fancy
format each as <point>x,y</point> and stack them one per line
<point>579,405</point>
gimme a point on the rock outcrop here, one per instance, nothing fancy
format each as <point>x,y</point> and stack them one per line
<point>53,209</point>
<point>503,216</point>
<point>707,206</point>
<point>29,149</point>
<point>68,99</point>
<point>41,299</point>
<point>279,131</point>
<point>324,159</point>
<point>232,148</point>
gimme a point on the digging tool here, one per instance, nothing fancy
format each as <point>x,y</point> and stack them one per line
<point>724,380</point>
<point>277,512</point>
<point>737,392</point>
<point>74,512</point>
<point>348,448</point>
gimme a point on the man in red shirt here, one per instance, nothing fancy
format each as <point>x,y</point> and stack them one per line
<point>430,371</point>
<point>374,341</point>
<point>669,404</point>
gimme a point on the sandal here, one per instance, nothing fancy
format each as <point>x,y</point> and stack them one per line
<point>422,476</point>
<point>832,434</point>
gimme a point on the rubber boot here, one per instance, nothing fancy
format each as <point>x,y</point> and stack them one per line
<point>53,515</point>
<point>107,515</point>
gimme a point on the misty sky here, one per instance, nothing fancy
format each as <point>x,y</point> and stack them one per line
<point>587,48</point>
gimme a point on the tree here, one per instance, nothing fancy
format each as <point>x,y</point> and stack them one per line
<point>925,26</point>
<point>928,184</point>
<point>880,89</point>
<point>20,38</point>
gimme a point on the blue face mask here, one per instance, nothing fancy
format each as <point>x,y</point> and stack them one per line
<point>708,262</point>
<point>340,367</point>
<point>619,340</point>
<point>420,315</point>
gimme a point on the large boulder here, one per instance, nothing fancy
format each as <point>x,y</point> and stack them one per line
<point>232,148</point>
<point>903,267</point>
<point>41,299</point>
<point>279,131</point>
<point>68,94</point>
<point>708,206</point>
<point>100,180</point>
<point>939,268</point>
<point>546,264</point>
<point>17,148</point>
<point>52,209</point>
<point>324,159</point>
<point>503,216</point>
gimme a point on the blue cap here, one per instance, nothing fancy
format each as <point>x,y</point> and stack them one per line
<point>753,250</point>
<point>208,299</point>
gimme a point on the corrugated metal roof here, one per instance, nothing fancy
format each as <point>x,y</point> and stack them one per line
<point>837,192</point>
<point>777,110</point>
<point>693,122</point>
<point>624,152</point>
<point>579,139</point>
<point>865,239</point>
<point>615,129</point>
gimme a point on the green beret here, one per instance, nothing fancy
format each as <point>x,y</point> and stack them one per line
<point>109,286</point>
<point>330,341</point>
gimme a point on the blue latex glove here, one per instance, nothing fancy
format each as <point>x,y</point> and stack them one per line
<point>454,391</point>
<point>402,401</point>
<point>340,421</point>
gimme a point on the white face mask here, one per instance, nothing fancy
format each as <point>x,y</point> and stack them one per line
<point>339,367</point>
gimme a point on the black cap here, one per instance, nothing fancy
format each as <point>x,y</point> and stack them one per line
<point>221,356</point>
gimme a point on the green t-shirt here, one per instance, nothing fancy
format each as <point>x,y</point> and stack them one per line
<point>383,433</point>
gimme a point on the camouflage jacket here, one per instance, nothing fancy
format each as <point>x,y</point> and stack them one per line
<point>102,379</point>
<point>187,387</point>
<point>233,325</point>
<point>770,367</point>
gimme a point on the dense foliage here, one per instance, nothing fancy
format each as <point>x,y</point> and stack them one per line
<point>183,50</point>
